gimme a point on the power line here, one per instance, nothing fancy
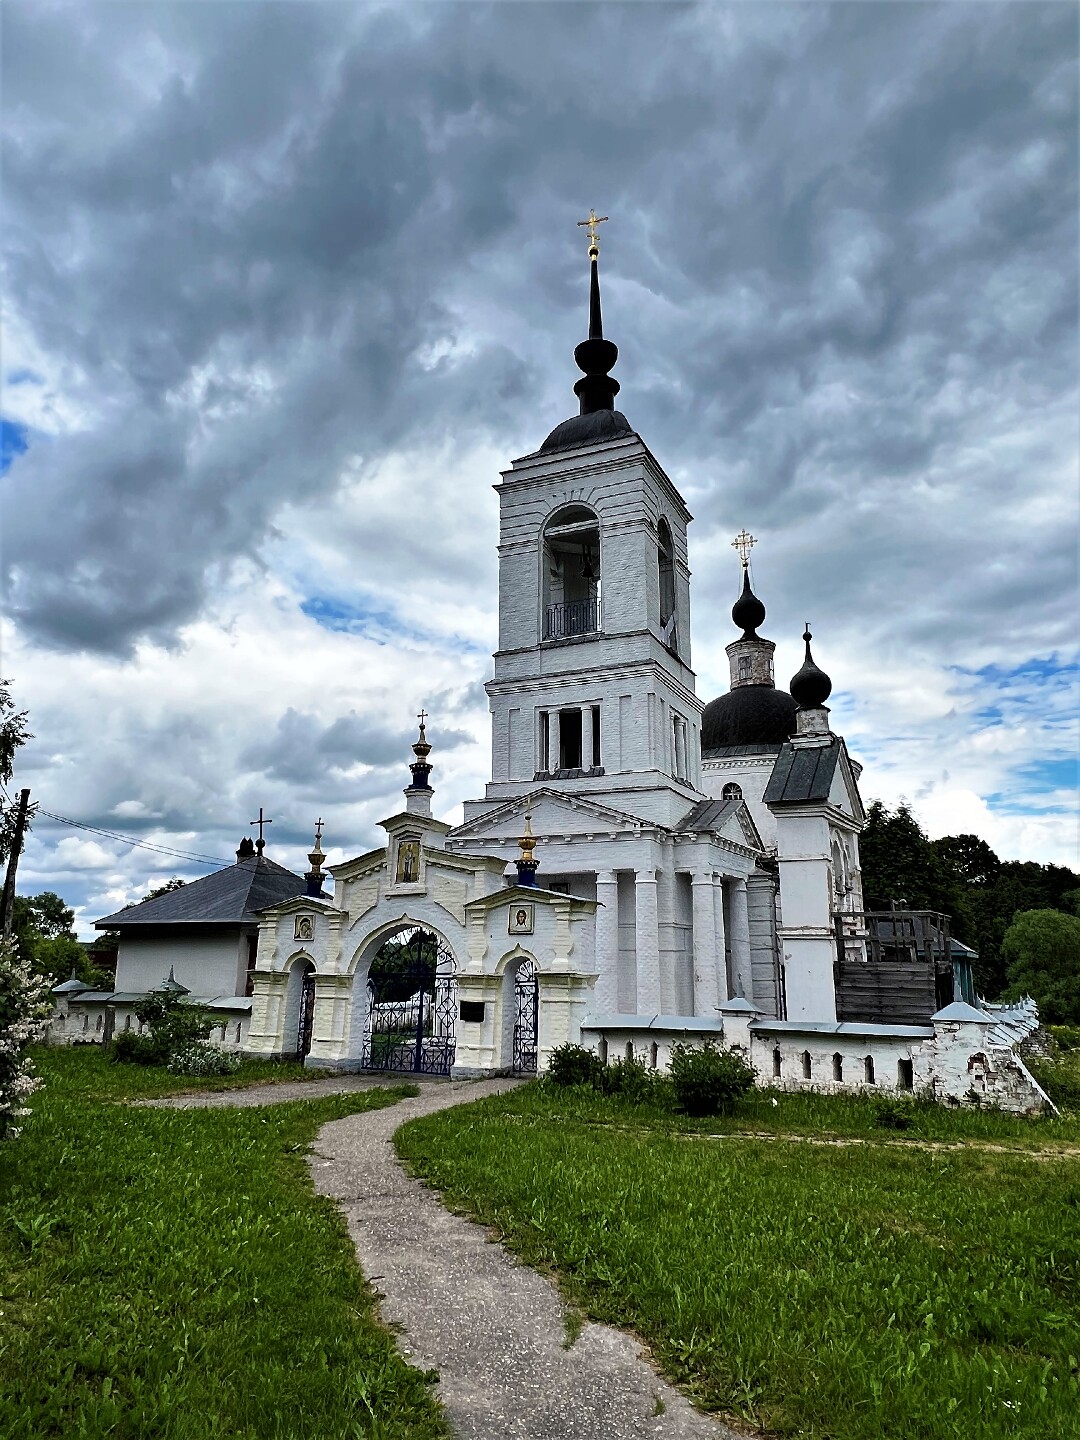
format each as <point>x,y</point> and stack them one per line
<point>139,844</point>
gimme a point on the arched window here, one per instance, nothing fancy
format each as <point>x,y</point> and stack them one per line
<point>777,1063</point>
<point>868,1070</point>
<point>571,574</point>
<point>602,1048</point>
<point>731,792</point>
<point>905,1076</point>
<point>807,1065</point>
<point>838,1066</point>
<point>653,1055</point>
<point>665,559</point>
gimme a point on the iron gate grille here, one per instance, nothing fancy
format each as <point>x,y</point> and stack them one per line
<point>526,1018</point>
<point>307,1013</point>
<point>412,1006</point>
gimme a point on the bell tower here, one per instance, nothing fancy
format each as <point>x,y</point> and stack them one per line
<point>593,691</point>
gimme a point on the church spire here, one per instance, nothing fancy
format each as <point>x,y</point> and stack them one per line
<point>810,688</point>
<point>595,356</point>
<point>750,656</point>
<point>418,794</point>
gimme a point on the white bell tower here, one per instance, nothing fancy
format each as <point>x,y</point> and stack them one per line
<point>593,691</point>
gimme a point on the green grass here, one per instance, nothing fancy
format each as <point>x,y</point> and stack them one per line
<point>887,1288</point>
<point>170,1273</point>
<point>85,1070</point>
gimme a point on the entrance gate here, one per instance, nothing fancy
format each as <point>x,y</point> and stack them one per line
<point>412,1005</point>
<point>526,1018</point>
<point>307,1012</point>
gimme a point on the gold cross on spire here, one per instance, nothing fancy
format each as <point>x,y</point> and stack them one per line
<point>593,238</point>
<point>744,542</point>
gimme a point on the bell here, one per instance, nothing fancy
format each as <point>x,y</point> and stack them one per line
<point>587,571</point>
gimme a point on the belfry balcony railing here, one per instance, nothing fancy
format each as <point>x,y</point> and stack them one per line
<point>572,618</point>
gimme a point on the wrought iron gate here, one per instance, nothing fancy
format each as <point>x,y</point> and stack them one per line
<point>307,1012</point>
<point>412,1005</point>
<point>526,1018</point>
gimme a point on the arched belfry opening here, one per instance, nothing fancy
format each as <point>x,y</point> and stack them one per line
<point>571,574</point>
<point>665,556</point>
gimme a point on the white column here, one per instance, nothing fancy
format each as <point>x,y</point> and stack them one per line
<point>706,991</point>
<point>607,942</point>
<point>721,937</point>
<point>647,943</point>
<point>586,737</point>
<point>554,741</point>
<point>740,941</point>
<point>681,748</point>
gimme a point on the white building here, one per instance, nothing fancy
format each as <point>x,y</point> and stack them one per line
<point>698,865</point>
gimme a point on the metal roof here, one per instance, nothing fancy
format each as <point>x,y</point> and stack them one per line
<point>232,896</point>
<point>707,815</point>
<point>802,774</point>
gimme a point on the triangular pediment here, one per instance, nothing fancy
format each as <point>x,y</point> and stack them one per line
<point>553,813</point>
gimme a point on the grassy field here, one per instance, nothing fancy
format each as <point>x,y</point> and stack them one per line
<point>172,1274</point>
<point>924,1285</point>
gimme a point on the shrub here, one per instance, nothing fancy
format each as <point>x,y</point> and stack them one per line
<point>892,1114</point>
<point>708,1081</point>
<point>199,1058</point>
<point>574,1065</point>
<point>626,1077</point>
<point>128,1047</point>
<point>24,1009</point>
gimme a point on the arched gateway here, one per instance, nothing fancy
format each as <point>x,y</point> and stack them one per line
<point>412,1004</point>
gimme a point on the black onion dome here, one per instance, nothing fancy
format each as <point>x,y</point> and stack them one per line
<point>748,612</point>
<point>591,429</point>
<point>748,715</point>
<point>811,687</point>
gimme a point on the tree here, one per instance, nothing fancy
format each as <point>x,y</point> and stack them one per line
<point>45,938</point>
<point>970,859</point>
<point>1042,952</point>
<point>23,1002</point>
<point>899,863</point>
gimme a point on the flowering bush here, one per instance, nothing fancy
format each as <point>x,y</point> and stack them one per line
<point>198,1058</point>
<point>24,1008</point>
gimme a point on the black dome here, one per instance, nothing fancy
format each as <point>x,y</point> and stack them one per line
<point>748,612</point>
<point>748,715</point>
<point>811,687</point>
<point>591,429</point>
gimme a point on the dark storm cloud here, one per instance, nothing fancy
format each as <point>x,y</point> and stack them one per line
<point>843,241</point>
<point>304,751</point>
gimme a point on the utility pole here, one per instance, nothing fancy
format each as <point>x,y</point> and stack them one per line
<point>7,903</point>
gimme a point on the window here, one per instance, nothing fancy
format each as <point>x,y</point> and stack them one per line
<point>571,578</point>
<point>777,1063</point>
<point>569,739</point>
<point>472,1011</point>
<point>665,556</point>
<point>746,670</point>
<point>905,1077</point>
<point>838,1066</point>
<point>629,1049</point>
<point>653,1055</point>
<point>868,1070</point>
<point>731,792</point>
<point>603,1050</point>
<point>807,1065</point>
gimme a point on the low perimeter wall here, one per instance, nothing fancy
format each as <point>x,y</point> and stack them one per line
<point>955,1063</point>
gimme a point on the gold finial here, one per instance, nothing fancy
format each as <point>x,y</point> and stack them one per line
<point>422,749</point>
<point>744,542</point>
<point>593,238</point>
<point>527,843</point>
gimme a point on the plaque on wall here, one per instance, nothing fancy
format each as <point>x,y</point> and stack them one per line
<point>304,927</point>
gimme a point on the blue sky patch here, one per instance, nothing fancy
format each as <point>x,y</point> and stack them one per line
<point>13,442</point>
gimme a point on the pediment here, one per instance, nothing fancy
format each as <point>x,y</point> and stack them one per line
<point>552,813</point>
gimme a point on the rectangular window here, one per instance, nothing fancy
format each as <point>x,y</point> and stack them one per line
<point>472,1011</point>
<point>569,739</point>
<point>596,735</point>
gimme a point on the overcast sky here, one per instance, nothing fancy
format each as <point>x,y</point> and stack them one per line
<point>288,284</point>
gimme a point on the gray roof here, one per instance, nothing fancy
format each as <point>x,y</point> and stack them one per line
<point>228,897</point>
<point>802,775</point>
<point>707,815</point>
<point>711,752</point>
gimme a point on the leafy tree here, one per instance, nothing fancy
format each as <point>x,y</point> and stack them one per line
<point>45,937</point>
<point>23,994</point>
<point>970,859</point>
<point>1042,952</point>
<point>899,863</point>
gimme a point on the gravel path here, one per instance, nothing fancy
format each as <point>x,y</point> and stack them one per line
<point>494,1329</point>
<point>275,1094</point>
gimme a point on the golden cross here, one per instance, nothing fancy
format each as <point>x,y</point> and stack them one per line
<point>592,222</point>
<point>744,542</point>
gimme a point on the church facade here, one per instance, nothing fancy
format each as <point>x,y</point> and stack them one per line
<point>684,872</point>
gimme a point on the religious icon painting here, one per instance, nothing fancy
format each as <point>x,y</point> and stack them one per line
<point>521,919</point>
<point>304,928</point>
<point>408,862</point>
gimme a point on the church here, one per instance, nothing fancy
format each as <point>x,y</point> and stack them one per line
<point>642,869</point>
